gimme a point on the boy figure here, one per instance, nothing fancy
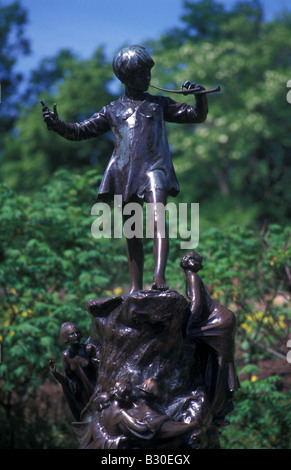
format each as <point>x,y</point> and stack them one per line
<point>141,167</point>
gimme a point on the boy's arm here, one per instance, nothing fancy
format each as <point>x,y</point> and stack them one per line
<point>183,113</point>
<point>96,125</point>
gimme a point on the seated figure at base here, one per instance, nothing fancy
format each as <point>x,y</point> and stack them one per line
<point>80,364</point>
<point>211,326</point>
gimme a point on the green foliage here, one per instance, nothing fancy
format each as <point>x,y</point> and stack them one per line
<point>50,73</point>
<point>249,272</point>
<point>13,44</point>
<point>50,265</point>
<point>236,165</point>
<point>29,160</point>
<point>262,416</point>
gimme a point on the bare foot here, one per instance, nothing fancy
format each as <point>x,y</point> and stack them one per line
<point>160,285</point>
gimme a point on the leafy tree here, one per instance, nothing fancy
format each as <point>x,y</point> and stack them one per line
<point>50,73</point>
<point>13,44</point>
<point>50,265</point>
<point>249,272</point>
<point>262,415</point>
<point>30,159</point>
<point>210,20</point>
<point>236,165</point>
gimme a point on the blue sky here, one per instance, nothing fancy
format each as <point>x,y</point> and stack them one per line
<point>83,25</point>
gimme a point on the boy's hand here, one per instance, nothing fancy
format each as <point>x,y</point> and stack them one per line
<point>49,117</point>
<point>189,86</point>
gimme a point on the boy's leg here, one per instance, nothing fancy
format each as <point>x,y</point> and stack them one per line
<point>135,256</point>
<point>161,238</point>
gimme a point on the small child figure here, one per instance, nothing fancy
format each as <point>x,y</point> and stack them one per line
<point>80,365</point>
<point>212,327</point>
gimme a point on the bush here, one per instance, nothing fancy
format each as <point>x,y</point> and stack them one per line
<point>51,264</point>
<point>262,416</point>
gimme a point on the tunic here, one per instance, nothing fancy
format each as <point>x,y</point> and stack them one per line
<point>141,159</point>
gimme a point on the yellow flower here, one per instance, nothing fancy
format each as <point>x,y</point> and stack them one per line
<point>15,308</point>
<point>246,327</point>
<point>24,314</point>
<point>254,378</point>
<point>117,291</point>
<point>259,315</point>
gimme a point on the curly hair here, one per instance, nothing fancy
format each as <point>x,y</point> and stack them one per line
<point>120,389</point>
<point>130,60</point>
<point>192,260</point>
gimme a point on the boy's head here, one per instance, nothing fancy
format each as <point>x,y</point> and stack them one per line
<point>131,60</point>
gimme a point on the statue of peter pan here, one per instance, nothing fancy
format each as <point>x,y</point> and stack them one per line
<point>140,168</point>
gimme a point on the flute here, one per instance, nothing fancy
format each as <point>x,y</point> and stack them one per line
<point>194,91</point>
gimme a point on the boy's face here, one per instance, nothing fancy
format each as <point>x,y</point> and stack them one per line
<point>139,80</point>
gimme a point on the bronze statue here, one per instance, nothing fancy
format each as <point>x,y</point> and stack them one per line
<point>157,370</point>
<point>80,364</point>
<point>135,417</point>
<point>212,326</point>
<point>140,168</point>
<point>182,354</point>
<point>128,418</point>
